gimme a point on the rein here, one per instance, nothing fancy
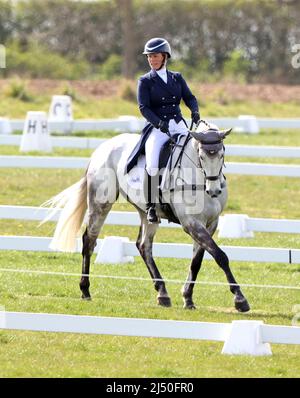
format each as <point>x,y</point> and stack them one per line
<point>199,165</point>
<point>188,137</point>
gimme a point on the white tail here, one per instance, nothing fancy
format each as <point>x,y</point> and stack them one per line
<point>73,200</point>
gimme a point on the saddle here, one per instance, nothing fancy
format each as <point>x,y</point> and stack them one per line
<point>166,150</point>
<point>164,156</point>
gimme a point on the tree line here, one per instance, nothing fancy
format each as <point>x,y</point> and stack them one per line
<point>250,39</point>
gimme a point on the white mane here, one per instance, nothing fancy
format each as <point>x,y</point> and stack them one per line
<point>203,127</point>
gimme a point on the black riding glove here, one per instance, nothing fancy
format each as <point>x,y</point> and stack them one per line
<point>164,127</point>
<point>195,117</point>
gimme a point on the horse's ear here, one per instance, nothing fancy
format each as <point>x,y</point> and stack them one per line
<point>198,136</point>
<point>224,133</point>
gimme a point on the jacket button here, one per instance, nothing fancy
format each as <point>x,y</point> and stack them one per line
<point>163,98</point>
<point>175,115</point>
<point>164,106</point>
<point>173,104</point>
<point>174,97</point>
<point>165,116</point>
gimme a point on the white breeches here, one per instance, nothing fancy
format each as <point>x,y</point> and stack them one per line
<point>156,140</point>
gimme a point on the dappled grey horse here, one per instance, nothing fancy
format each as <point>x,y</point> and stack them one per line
<point>193,192</point>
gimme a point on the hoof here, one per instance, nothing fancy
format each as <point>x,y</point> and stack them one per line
<point>189,305</point>
<point>86,298</point>
<point>164,301</point>
<point>242,305</point>
<point>86,295</point>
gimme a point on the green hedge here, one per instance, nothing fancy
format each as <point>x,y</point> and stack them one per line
<point>37,62</point>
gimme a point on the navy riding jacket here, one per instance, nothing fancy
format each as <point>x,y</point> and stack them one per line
<point>157,101</point>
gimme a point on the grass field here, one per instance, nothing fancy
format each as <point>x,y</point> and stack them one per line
<point>109,99</point>
<point>106,356</point>
<point>33,354</point>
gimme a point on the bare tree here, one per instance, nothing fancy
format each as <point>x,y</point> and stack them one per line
<point>128,37</point>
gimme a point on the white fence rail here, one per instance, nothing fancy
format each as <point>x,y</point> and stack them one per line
<point>273,225</point>
<point>240,337</point>
<point>163,250</point>
<point>263,151</point>
<point>61,142</point>
<point>132,219</point>
<point>44,162</point>
<point>48,162</point>
<point>231,150</point>
<point>131,123</point>
<point>115,326</point>
<point>262,169</point>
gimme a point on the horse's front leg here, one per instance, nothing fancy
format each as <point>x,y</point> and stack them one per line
<point>187,290</point>
<point>198,253</point>
<point>144,245</point>
<point>206,242</point>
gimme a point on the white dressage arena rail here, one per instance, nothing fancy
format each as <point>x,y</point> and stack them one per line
<point>243,123</point>
<point>123,123</point>
<point>124,250</point>
<point>61,142</point>
<point>230,225</point>
<point>241,337</point>
<point>131,218</point>
<point>49,162</point>
<point>231,150</point>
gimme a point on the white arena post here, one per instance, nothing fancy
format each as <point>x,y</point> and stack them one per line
<point>61,113</point>
<point>111,251</point>
<point>245,338</point>
<point>35,134</point>
<point>234,226</point>
<point>248,124</point>
<point>5,126</point>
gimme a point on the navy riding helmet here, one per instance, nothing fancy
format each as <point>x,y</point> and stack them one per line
<point>157,45</point>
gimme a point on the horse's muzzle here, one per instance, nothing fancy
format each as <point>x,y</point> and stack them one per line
<point>213,193</point>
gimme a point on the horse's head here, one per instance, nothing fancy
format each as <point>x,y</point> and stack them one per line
<point>210,147</point>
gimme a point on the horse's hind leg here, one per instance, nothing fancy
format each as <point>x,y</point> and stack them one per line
<point>96,220</point>
<point>103,191</point>
<point>86,256</point>
<point>144,245</point>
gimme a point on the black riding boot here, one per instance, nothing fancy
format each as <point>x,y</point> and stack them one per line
<point>150,189</point>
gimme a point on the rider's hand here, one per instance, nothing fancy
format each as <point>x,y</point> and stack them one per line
<point>164,127</point>
<point>195,117</point>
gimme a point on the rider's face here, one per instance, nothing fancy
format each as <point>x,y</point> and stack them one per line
<point>155,60</point>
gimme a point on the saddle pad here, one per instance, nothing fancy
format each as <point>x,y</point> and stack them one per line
<point>136,175</point>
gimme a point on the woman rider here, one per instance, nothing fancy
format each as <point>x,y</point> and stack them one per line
<point>159,94</point>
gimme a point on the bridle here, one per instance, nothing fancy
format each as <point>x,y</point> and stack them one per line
<point>211,151</point>
<point>211,140</point>
<point>211,148</point>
